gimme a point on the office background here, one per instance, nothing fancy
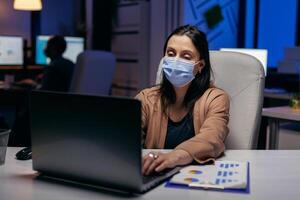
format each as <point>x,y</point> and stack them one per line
<point>135,31</point>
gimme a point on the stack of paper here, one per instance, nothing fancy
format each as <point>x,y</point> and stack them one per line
<point>221,175</point>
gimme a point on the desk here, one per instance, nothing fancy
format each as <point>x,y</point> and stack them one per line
<point>18,181</point>
<point>21,72</point>
<point>21,67</point>
<point>275,115</point>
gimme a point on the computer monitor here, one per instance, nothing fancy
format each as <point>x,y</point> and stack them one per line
<point>259,54</point>
<point>11,50</point>
<point>75,45</point>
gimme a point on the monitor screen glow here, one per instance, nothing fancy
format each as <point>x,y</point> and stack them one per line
<point>11,50</point>
<point>260,54</point>
<point>75,45</point>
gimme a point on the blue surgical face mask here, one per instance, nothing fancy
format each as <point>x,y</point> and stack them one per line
<point>178,71</point>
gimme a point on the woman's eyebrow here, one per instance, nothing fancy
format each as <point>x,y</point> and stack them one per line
<point>170,48</point>
<point>188,51</point>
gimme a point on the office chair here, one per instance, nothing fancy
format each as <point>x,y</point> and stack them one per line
<point>242,77</point>
<point>93,73</point>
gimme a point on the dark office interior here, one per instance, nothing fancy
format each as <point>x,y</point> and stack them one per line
<point>103,99</point>
<point>134,32</point>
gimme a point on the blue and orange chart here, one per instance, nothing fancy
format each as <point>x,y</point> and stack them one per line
<point>220,175</point>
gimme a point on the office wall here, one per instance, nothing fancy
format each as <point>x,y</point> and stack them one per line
<point>138,41</point>
<point>250,14</point>
<point>89,23</point>
<point>13,22</point>
<point>59,17</point>
<point>277,27</point>
<point>130,45</point>
<point>217,18</point>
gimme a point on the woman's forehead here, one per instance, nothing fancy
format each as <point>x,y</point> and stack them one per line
<point>181,43</point>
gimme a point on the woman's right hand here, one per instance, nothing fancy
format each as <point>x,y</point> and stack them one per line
<point>157,161</point>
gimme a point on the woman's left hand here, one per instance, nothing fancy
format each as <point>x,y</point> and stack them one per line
<point>156,161</point>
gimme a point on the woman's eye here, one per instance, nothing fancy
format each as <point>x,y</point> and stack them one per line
<point>187,57</point>
<point>171,54</point>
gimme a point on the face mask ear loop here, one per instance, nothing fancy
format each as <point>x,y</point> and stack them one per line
<point>196,63</point>
<point>201,67</point>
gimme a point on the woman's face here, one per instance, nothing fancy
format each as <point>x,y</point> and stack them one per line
<point>181,46</point>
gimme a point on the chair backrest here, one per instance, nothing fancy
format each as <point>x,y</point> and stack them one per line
<point>93,73</point>
<point>242,77</point>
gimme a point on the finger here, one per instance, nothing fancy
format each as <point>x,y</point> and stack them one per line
<point>144,158</point>
<point>147,160</point>
<point>146,163</point>
<point>162,166</point>
<point>154,164</point>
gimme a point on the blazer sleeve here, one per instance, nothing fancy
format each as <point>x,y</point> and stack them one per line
<point>208,143</point>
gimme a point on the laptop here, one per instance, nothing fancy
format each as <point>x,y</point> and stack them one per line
<point>93,140</point>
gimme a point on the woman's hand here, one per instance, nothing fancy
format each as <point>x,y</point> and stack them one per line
<point>156,161</point>
<point>27,82</point>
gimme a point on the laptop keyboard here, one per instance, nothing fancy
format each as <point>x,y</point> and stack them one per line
<point>155,175</point>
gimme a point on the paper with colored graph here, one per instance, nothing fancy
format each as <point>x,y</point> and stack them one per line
<point>221,175</point>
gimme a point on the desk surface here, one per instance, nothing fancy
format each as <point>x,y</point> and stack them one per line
<point>267,181</point>
<point>283,112</point>
<point>21,67</point>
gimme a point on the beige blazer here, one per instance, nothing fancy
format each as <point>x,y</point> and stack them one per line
<point>210,117</point>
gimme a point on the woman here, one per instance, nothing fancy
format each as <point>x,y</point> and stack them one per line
<point>185,112</point>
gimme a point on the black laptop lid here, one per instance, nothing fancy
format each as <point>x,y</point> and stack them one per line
<point>92,139</point>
